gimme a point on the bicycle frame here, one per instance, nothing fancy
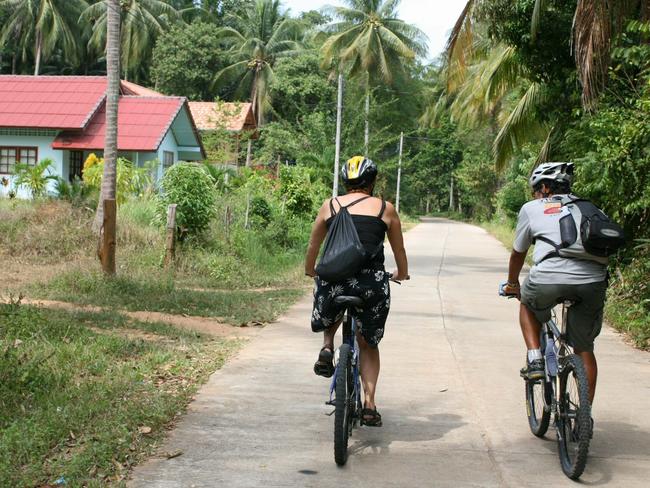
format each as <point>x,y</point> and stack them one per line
<point>556,337</point>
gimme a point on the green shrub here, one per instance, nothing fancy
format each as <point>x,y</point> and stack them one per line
<point>260,211</point>
<point>513,195</point>
<point>35,178</point>
<point>130,179</point>
<point>190,187</point>
<point>296,190</point>
<point>76,192</point>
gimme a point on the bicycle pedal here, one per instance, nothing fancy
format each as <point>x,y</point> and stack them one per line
<point>331,413</point>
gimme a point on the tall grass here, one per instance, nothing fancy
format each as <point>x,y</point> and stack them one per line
<point>47,231</point>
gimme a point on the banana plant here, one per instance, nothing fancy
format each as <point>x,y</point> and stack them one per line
<point>34,178</point>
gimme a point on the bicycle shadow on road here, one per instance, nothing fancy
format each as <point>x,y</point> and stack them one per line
<point>373,440</point>
<point>614,443</point>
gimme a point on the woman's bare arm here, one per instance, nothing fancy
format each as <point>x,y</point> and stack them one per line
<point>318,233</point>
<point>396,240</point>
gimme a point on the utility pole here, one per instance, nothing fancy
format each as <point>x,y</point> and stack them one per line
<point>366,130</point>
<point>337,155</point>
<point>399,169</point>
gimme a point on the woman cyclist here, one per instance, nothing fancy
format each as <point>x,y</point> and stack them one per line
<point>373,218</point>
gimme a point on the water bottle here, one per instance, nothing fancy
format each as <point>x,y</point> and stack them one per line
<point>551,358</point>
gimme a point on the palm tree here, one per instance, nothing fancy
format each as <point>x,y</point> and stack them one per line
<point>45,24</point>
<point>372,43</point>
<point>487,81</point>
<point>262,35</point>
<point>595,24</point>
<point>142,22</point>
<point>107,191</point>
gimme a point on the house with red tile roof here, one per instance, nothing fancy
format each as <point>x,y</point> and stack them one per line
<point>236,119</point>
<point>63,118</point>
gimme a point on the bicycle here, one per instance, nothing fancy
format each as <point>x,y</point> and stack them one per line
<point>345,388</point>
<point>563,393</point>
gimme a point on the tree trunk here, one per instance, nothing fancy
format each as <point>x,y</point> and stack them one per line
<point>451,195</point>
<point>257,113</point>
<point>249,152</point>
<point>39,50</point>
<point>112,99</point>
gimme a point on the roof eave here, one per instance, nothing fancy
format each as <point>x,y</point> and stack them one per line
<point>197,134</point>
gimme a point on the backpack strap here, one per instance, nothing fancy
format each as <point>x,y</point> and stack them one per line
<point>383,208</point>
<point>355,202</point>
<point>332,206</point>
<point>552,254</point>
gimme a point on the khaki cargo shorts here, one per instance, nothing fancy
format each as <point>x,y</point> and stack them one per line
<point>585,318</point>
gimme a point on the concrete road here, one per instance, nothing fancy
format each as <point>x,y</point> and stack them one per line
<point>449,393</point>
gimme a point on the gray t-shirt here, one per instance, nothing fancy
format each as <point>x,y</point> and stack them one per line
<point>542,218</point>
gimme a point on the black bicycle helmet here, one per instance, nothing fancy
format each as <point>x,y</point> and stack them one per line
<point>358,172</point>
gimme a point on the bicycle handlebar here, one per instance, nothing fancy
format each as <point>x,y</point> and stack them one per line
<point>502,291</point>
<point>390,277</point>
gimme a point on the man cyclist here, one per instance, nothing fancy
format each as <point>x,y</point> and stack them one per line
<point>552,278</point>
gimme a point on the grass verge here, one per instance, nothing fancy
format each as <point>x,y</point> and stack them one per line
<point>84,396</point>
<point>160,294</point>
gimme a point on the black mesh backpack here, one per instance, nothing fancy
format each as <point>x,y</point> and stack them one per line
<point>343,255</point>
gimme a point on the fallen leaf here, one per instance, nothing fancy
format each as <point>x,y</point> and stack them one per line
<point>17,342</point>
<point>144,429</point>
<point>173,454</point>
<point>443,390</point>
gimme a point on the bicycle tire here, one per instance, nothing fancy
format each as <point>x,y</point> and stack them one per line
<point>538,402</point>
<point>342,405</point>
<point>574,417</point>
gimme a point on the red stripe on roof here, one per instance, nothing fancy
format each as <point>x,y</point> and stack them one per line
<point>49,102</point>
<point>142,124</point>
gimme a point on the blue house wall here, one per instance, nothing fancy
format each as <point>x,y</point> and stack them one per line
<point>42,140</point>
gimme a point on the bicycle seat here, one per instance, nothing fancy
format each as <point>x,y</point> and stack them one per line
<point>349,301</point>
<point>567,301</point>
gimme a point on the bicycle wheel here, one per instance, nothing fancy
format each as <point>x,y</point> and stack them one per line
<point>342,406</point>
<point>574,417</point>
<point>538,406</point>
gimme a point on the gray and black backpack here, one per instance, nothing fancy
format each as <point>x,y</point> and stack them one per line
<point>586,233</point>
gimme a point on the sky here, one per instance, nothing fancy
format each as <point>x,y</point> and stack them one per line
<point>435,17</point>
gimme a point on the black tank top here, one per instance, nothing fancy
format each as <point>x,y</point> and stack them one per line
<point>371,229</point>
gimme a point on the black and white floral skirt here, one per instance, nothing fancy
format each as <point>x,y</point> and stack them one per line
<point>369,284</point>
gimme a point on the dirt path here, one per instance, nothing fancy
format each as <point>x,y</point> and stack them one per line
<point>205,325</point>
<point>16,275</point>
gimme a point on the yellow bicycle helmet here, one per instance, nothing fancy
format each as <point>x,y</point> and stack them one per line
<point>358,172</point>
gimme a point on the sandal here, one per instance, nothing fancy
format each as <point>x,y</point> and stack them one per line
<point>370,417</point>
<point>325,364</point>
